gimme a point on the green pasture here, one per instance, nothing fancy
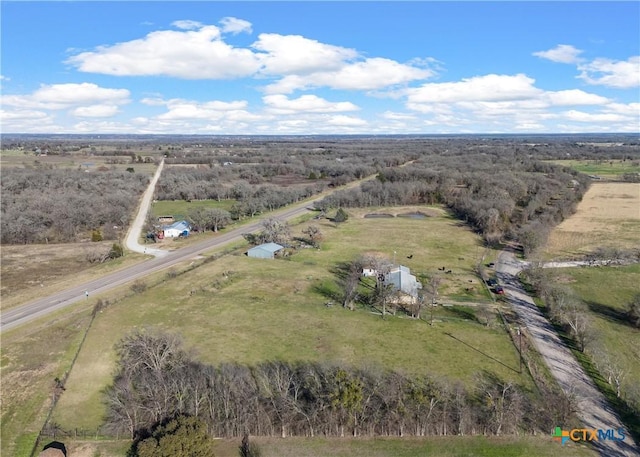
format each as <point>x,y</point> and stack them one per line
<point>31,360</point>
<point>607,291</point>
<point>180,208</point>
<point>441,446</point>
<point>249,310</point>
<point>603,168</point>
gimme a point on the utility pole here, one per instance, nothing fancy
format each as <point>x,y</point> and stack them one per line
<point>520,347</point>
<point>433,305</point>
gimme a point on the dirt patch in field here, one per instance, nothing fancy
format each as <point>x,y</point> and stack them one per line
<point>608,216</point>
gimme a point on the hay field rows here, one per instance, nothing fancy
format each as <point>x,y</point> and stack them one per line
<point>607,216</point>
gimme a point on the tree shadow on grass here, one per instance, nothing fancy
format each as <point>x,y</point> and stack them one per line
<point>462,312</point>
<point>615,315</point>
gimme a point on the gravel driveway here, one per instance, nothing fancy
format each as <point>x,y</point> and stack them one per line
<point>593,409</point>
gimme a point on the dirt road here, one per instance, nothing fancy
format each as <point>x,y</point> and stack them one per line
<point>131,241</point>
<point>593,409</point>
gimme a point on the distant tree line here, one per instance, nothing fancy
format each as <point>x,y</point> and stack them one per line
<point>157,379</point>
<point>65,205</point>
<point>500,194</point>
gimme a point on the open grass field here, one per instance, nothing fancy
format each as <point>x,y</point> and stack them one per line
<point>607,216</point>
<point>450,446</point>
<point>81,160</point>
<point>613,343</point>
<point>31,360</point>
<point>249,310</point>
<point>607,291</point>
<point>609,169</point>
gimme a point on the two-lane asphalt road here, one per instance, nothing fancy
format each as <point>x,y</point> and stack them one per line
<point>25,313</point>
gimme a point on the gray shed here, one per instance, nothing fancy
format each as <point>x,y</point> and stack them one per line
<point>265,251</point>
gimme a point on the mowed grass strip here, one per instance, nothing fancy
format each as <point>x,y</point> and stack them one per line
<point>603,168</point>
<point>441,446</point>
<point>31,360</point>
<point>607,216</point>
<point>240,309</point>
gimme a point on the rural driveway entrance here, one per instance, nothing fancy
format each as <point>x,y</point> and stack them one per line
<point>593,409</point>
<point>136,227</point>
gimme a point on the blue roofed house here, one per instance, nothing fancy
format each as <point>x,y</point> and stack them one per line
<point>264,251</point>
<point>180,228</point>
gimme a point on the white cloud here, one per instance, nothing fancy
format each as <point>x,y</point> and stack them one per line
<point>280,104</point>
<point>581,116</point>
<point>234,25</point>
<point>62,96</point>
<point>4,78</point>
<point>374,73</point>
<point>479,88</point>
<point>562,53</point>
<point>622,74</point>
<point>96,111</point>
<point>187,24</point>
<point>346,121</point>
<point>574,97</point>
<point>504,103</point>
<point>198,51</point>
<point>628,109</point>
<point>287,54</point>
<point>397,116</point>
<point>187,109</point>
<point>370,74</point>
<point>190,54</point>
<point>22,121</point>
<point>6,115</point>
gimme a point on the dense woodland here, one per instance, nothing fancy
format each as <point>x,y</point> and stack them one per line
<point>157,379</point>
<point>62,205</point>
<point>501,194</point>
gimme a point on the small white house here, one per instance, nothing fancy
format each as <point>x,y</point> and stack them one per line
<point>180,228</point>
<point>264,251</point>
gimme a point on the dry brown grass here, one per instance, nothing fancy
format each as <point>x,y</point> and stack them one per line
<point>33,271</point>
<point>608,216</point>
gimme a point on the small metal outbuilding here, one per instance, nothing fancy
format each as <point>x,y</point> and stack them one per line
<point>265,251</point>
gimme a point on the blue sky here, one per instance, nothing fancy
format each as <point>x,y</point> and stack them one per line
<point>320,67</point>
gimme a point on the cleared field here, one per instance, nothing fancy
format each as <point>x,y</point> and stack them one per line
<point>77,160</point>
<point>607,216</point>
<point>610,169</point>
<point>36,270</point>
<point>249,310</point>
<point>450,446</point>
